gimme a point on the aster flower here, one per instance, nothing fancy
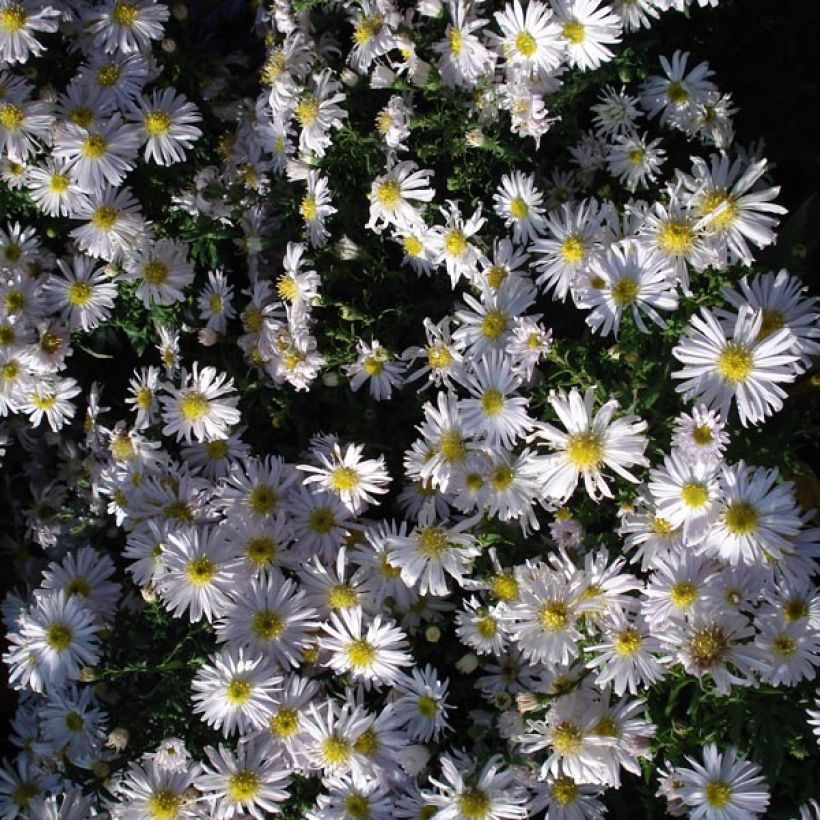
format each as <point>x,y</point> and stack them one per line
<point>128,25</point>
<point>82,292</point>
<point>23,124</point>
<point>587,28</point>
<point>463,57</point>
<point>531,39</point>
<point>675,94</point>
<point>161,271</point>
<point>233,691</point>
<point>151,789</point>
<point>724,787</point>
<point>200,407</point>
<point>720,366</point>
<point>19,20</point>
<point>375,366</point>
<point>315,207</point>
<point>590,443</point>
<point>113,224</point>
<point>517,201</point>
<point>167,124</point>
<point>390,196</point>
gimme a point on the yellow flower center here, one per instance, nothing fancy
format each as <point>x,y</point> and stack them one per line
<point>373,366</point>
<point>504,586</point>
<point>702,434</point>
<point>486,627</point>
<point>12,18</point>
<point>784,645</point>
<point>307,111</point>
<point>285,722</point>
<point>553,616</point>
<point>267,625</point>
<point>94,146</point>
<point>694,494</point>
<point>735,362</point>
<point>308,209</point>
<point>155,272</point>
<point>455,243</point>
<point>287,288</point>
<point>492,402</point>
<point>263,499</point>
<point>439,357</point>
<point>82,115</point>
<point>412,246</point>
<point>74,722</point>
<point>200,571</point>
<point>336,750</point>
<point>44,401</point>
<point>432,541</point>
<point>105,217</point>
<point>344,479</point>
<point>573,250</point>
<point>567,738</point>
<point>741,518</point>
<point>606,727</point>
<point>676,237</point>
<point>59,636</point>
<point>564,791</point>
<point>388,193</point>
<point>193,406</point>
<point>624,291</point>
<point>585,450</point>
<point>361,654</point>
<point>217,449</point>
<point>772,320</point>
<point>121,447</point>
<point>452,446</point>
<point>58,183</point>
<point>718,794</point>
<point>180,511</point>
<point>518,208</point>
<point>367,29</point>
<point>384,121</point>
<point>164,805</point>
<point>474,804</point>
<point>676,93</point>
<point>108,75</point>
<point>342,596</point>
<point>525,44</point>
<point>125,14</point>
<point>243,785</point>
<point>795,610</point>
<point>367,743</point>
<point>238,691</point>
<point>321,520</point>
<point>682,594</point>
<point>502,478</point>
<point>157,123</point>
<point>79,293</point>
<point>628,642</point>
<point>261,550</point>
<point>635,156</point>
<point>357,806</point>
<point>574,31</point>
<point>493,325</point>
<point>455,40</point>
<point>496,275</point>
<point>719,198</point>
<point>11,117</point>
<point>708,646</point>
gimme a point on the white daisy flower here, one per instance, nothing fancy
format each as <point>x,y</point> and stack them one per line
<point>674,95</point>
<point>60,634</point>
<point>271,618</point>
<point>119,78</point>
<point>789,651</point>
<point>318,112</point>
<point>332,731</point>
<point>128,25</point>
<point>376,366</point>
<point>390,196</point>
<point>153,790</point>
<point>53,190</point>
<point>757,518</point>
<point>19,19</point>
<point>587,28</point>
<point>725,786</point>
<point>143,391</point>
<point>82,292</point>
<point>490,793</point>
<point>628,276</point>
<point>431,550</point>
<point>198,574</point>
<point>49,399</point>
<point>371,653</point>
<point>518,201</point>
<point>315,207</point>
<point>590,444</point>
<point>635,160</point>
<point>700,437</point>
<point>249,782</point>
<point>451,241</point>
<point>113,224</point>
<point>720,366</point>
<point>530,39</point>
<point>167,124</point>
<point>463,57</point>
<point>355,481</point>
<point>492,414</point>
<point>23,125</point>
<point>677,588</point>
<point>215,302</point>
<point>201,406</point>
<point>234,691</point>
<point>354,795</point>
<point>616,114</point>
<point>686,495</point>
<point>162,272</point>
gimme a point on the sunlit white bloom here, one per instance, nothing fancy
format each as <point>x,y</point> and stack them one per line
<point>318,112</point>
<point>113,224</point>
<point>452,241</point>
<point>151,789</point>
<point>725,786</point>
<point>19,20</point>
<point>315,207</point>
<point>721,365</point>
<point>463,56</point>
<point>635,160</point>
<point>82,292</point>
<point>700,437</point>
<point>53,189</point>
<point>675,94</point>
<point>128,25</point>
<point>616,113</point>
<point>587,28</point>
<point>789,651</point>
<point>167,124</point>
<point>590,443</point>
<point>215,302</point>
<point>161,271</point>
<point>376,366</point>
<point>201,406</point>
<point>530,39</point>
<point>233,691</point>
<point>24,125</point>
<point>518,202</point>
<point>391,194</point>
<point>332,730</point>
<point>50,399</point>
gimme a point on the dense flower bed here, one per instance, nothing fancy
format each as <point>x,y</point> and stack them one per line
<point>395,421</point>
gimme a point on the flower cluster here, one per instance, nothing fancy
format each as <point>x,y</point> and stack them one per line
<point>468,613</point>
